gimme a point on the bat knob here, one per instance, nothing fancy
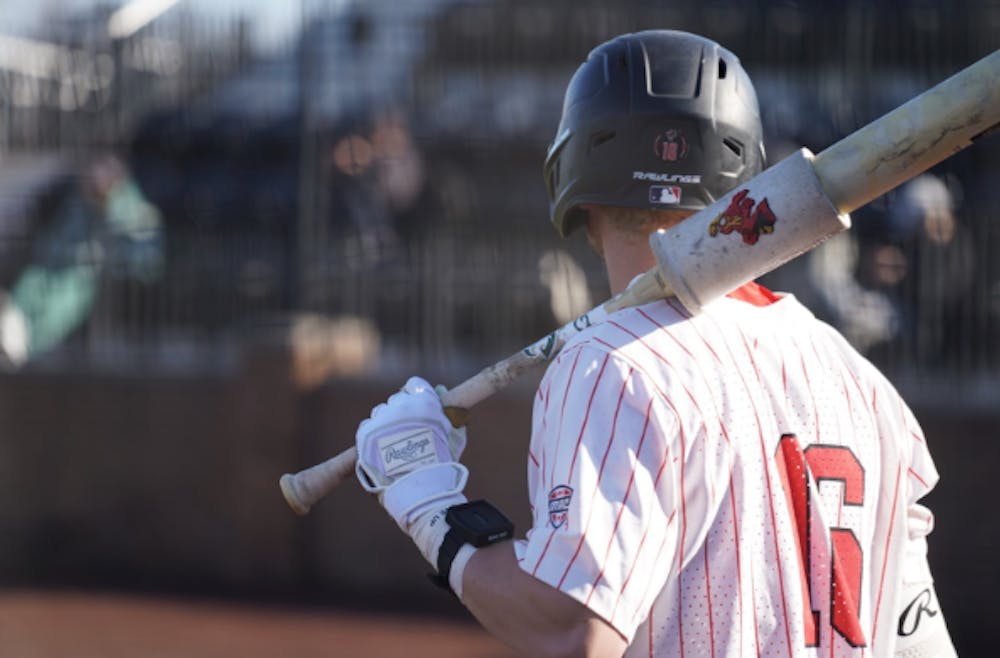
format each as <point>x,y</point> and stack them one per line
<point>290,491</point>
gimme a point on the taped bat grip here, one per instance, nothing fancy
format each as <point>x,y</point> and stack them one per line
<point>304,489</point>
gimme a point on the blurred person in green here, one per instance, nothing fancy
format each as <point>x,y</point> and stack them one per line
<point>108,229</point>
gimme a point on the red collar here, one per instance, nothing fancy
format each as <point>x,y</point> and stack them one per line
<point>754,293</point>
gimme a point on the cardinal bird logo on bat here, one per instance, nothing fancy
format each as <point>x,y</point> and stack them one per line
<point>746,217</point>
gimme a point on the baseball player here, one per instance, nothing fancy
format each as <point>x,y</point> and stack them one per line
<point>738,482</point>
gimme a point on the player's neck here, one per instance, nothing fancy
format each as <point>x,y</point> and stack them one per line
<point>626,259</point>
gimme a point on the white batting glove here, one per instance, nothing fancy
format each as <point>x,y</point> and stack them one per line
<point>408,455</point>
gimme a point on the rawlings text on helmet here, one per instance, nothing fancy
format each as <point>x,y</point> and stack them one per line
<point>693,179</point>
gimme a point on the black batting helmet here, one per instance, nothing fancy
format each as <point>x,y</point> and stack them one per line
<point>656,119</point>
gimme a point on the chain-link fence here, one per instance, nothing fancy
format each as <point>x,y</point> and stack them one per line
<point>385,167</point>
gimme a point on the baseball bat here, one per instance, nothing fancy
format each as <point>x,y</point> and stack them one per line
<point>807,199</point>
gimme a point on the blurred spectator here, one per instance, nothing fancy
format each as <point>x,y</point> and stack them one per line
<point>358,205</point>
<point>380,186</point>
<point>939,257</point>
<point>900,280</point>
<point>865,314</point>
<point>105,228</point>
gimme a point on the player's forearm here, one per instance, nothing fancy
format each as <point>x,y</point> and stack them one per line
<point>527,614</point>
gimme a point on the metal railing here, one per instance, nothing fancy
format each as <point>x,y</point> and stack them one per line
<point>386,167</point>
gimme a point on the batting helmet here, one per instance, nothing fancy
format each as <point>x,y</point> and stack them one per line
<point>656,119</point>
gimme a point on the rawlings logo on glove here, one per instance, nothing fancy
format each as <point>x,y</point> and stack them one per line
<point>404,452</point>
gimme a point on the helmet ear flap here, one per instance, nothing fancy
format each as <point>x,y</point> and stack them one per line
<point>659,119</point>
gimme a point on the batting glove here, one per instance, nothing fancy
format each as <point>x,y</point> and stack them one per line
<point>408,455</point>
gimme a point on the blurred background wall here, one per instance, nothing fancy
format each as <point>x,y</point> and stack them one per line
<point>228,229</point>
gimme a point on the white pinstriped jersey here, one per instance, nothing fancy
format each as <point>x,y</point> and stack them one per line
<point>740,483</point>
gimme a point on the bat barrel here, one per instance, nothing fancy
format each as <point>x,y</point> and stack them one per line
<point>912,138</point>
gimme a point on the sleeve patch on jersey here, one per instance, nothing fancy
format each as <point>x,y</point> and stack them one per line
<point>559,500</point>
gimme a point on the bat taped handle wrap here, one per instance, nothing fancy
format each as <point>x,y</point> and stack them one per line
<point>781,213</point>
<point>304,489</point>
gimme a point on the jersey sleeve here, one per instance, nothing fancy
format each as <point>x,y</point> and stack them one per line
<point>921,474</point>
<point>603,494</point>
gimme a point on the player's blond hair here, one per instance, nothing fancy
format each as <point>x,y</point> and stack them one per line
<point>636,224</point>
<point>643,221</point>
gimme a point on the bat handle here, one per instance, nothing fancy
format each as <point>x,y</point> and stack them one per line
<point>304,489</point>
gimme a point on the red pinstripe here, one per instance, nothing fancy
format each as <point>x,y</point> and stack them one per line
<point>679,309</point>
<point>732,494</point>
<point>784,380</point>
<point>770,495</point>
<point>638,552</point>
<point>680,585</point>
<point>647,377</point>
<point>645,592</point>
<point>805,374</point>
<point>552,534</point>
<point>659,473</point>
<point>600,473</point>
<point>902,418</point>
<point>649,627</point>
<point>725,434</point>
<point>680,553</point>
<point>649,630</point>
<point>586,417</point>
<point>847,395</point>
<point>684,525</point>
<point>850,372</point>
<point>736,553</point>
<point>662,358</point>
<point>708,345</point>
<point>545,405</point>
<point>919,479</point>
<point>562,412</point>
<point>885,557</point>
<point>756,630</point>
<point>822,362</point>
<point>659,326</point>
<point>708,594</point>
<point>624,504</point>
<point>701,371</point>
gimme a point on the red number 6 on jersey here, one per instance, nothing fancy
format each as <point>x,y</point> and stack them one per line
<point>833,463</point>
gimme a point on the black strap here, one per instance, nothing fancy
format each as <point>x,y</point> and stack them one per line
<point>446,555</point>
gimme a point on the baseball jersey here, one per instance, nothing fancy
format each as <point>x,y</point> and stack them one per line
<point>737,483</point>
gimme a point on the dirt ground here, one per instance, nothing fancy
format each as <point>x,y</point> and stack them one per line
<point>46,624</point>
